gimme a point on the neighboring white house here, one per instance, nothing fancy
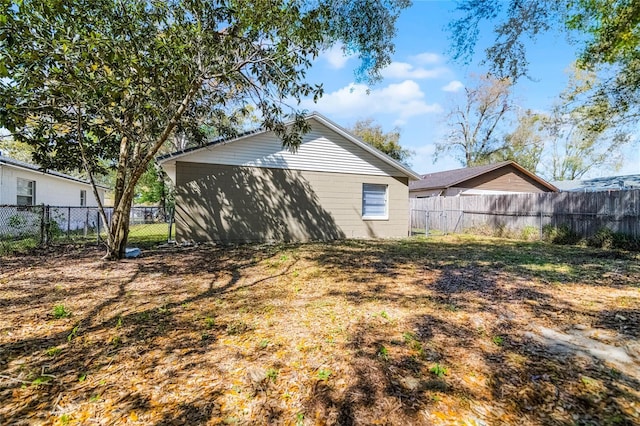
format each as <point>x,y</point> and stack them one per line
<point>25,184</point>
<point>22,185</point>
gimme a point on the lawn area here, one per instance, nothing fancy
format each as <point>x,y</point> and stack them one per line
<point>144,235</point>
<point>447,330</point>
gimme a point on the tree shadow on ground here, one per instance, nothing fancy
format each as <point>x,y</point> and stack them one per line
<point>525,379</point>
<point>389,381</point>
<point>417,306</point>
<point>90,343</point>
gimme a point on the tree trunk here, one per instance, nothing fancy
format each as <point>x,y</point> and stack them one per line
<point>119,228</point>
<point>133,169</point>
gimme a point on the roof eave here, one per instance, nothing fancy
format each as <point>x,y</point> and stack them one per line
<point>533,176</point>
<point>314,115</point>
<point>490,169</point>
<point>33,168</point>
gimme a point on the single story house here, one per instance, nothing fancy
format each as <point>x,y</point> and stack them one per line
<point>26,184</point>
<point>251,189</point>
<point>607,183</point>
<point>506,177</point>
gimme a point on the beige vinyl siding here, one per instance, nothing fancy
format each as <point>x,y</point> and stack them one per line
<point>322,150</point>
<point>243,204</point>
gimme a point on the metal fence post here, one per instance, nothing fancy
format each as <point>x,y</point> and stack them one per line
<point>68,222</point>
<point>43,230</point>
<point>426,223</point>
<point>86,222</point>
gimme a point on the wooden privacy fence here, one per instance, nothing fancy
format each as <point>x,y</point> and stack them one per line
<point>583,212</point>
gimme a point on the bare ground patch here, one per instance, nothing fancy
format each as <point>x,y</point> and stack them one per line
<point>439,331</point>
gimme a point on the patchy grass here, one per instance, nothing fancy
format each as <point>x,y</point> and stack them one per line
<point>24,245</point>
<point>447,330</point>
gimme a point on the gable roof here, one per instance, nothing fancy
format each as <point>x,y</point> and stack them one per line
<point>4,160</point>
<point>455,177</point>
<point>319,118</point>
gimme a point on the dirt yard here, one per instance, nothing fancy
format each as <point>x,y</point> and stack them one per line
<point>454,330</point>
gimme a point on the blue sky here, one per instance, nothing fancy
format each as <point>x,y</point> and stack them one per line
<point>422,82</point>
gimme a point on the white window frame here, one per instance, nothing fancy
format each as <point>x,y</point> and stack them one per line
<point>371,186</point>
<point>83,198</point>
<point>30,185</point>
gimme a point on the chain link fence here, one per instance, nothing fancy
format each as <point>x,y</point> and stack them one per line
<point>24,227</point>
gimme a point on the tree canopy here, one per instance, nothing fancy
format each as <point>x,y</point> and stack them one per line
<point>86,81</point>
<point>525,144</point>
<point>388,142</point>
<point>605,32</point>
<point>486,126</point>
<point>579,138</point>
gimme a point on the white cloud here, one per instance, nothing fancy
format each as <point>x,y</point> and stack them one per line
<point>404,70</point>
<point>427,58</point>
<point>336,57</point>
<point>453,86</point>
<point>404,100</point>
<point>422,161</point>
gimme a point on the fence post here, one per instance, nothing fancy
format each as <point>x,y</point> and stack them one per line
<point>541,233</point>
<point>426,223</point>
<point>446,223</point>
<point>68,222</point>
<point>97,226</point>
<point>171,224</point>
<point>43,228</point>
<point>86,222</point>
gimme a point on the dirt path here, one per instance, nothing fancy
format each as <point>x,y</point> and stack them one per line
<point>614,350</point>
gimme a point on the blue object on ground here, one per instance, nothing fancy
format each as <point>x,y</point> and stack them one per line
<point>132,252</point>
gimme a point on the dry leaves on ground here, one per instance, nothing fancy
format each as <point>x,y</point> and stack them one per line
<point>453,330</point>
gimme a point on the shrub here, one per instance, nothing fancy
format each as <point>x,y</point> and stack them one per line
<point>560,235</point>
<point>55,231</point>
<point>17,222</point>
<point>529,233</point>
<point>603,238</point>
<point>607,239</point>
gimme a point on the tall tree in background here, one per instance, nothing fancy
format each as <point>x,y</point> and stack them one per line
<point>579,139</point>
<point>155,187</point>
<point>388,142</point>
<point>14,149</point>
<point>83,81</point>
<point>526,143</point>
<point>474,123</point>
<point>606,34</point>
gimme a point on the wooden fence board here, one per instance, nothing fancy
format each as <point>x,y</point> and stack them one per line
<point>583,212</point>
